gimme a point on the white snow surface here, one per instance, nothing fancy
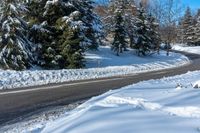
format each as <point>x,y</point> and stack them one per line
<point>190,49</point>
<point>154,106</point>
<point>99,64</point>
<point>196,84</point>
<point>168,105</point>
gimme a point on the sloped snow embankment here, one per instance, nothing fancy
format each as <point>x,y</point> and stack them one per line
<point>194,49</point>
<point>196,84</point>
<point>168,105</point>
<point>102,63</point>
<point>154,106</point>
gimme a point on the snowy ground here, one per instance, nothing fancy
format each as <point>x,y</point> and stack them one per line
<point>102,63</point>
<point>194,49</point>
<point>168,105</point>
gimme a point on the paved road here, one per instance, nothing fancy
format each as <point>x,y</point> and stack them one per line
<point>15,103</point>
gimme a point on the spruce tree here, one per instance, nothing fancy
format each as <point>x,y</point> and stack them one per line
<point>41,33</point>
<point>119,43</point>
<point>70,40</point>
<point>16,51</point>
<point>92,31</point>
<point>71,50</point>
<point>153,34</point>
<point>54,31</point>
<point>196,28</point>
<point>187,27</point>
<point>196,16</point>
<point>143,44</point>
<point>130,21</point>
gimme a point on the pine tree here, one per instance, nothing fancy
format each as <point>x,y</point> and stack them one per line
<point>153,34</point>
<point>139,28</point>
<point>119,43</point>
<point>70,40</point>
<point>16,51</point>
<point>42,33</point>
<point>187,28</point>
<point>196,28</point>
<point>71,49</point>
<point>92,32</point>
<point>195,18</point>
<point>143,44</point>
<point>51,22</point>
<point>110,18</point>
<point>130,13</point>
<point>54,30</point>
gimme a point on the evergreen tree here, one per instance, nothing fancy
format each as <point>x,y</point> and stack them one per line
<point>42,34</point>
<point>153,34</point>
<point>144,41</point>
<point>54,31</point>
<point>195,19</point>
<point>53,13</point>
<point>119,43</point>
<point>187,28</point>
<point>52,25</point>
<point>110,18</point>
<point>70,40</point>
<point>16,51</point>
<point>71,50</point>
<point>139,28</point>
<point>92,31</point>
<point>130,22</point>
<point>197,31</point>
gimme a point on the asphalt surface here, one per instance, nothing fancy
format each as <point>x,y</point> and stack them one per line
<point>21,101</point>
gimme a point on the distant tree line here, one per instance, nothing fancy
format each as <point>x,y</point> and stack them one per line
<point>130,25</point>
<point>188,29</point>
<point>172,26</point>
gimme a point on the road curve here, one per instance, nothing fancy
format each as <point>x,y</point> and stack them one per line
<point>18,102</point>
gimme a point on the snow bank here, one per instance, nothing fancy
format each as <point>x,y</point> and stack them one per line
<point>153,106</point>
<point>100,64</point>
<point>184,48</point>
<point>196,84</point>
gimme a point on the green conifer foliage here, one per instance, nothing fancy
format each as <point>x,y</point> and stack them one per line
<point>71,50</point>
<point>119,44</point>
<point>92,32</point>
<point>143,44</point>
<point>16,51</point>
<point>187,28</point>
<point>155,39</point>
<point>55,31</point>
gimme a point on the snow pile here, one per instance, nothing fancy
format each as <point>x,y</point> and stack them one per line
<point>196,84</point>
<point>154,106</point>
<point>109,65</point>
<point>194,49</point>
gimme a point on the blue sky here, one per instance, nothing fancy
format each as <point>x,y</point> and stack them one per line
<point>194,4</point>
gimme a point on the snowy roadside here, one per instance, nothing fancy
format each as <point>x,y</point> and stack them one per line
<point>100,64</point>
<point>185,48</point>
<point>38,119</point>
<point>168,105</point>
